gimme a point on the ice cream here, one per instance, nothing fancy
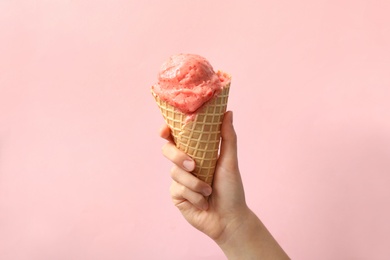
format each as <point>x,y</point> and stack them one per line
<point>192,98</point>
<point>187,81</point>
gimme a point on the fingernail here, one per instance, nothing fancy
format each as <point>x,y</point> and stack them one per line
<point>207,191</point>
<point>189,165</point>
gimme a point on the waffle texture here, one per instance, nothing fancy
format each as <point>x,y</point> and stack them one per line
<point>200,136</point>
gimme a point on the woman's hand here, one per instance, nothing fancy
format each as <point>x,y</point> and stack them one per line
<point>226,201</point>
<point>220,212</point>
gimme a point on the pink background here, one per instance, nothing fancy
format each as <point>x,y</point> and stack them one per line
<point>81,170</point>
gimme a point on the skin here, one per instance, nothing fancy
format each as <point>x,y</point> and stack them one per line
<point>220,212</point>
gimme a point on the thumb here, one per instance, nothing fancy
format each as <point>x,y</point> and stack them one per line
<point>228,154</point>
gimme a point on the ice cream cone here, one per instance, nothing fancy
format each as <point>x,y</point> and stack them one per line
<point>199,136</point>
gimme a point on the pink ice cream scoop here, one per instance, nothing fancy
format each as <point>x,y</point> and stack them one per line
<point>187,81</point>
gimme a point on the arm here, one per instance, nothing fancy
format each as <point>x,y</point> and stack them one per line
<point>224,216</point>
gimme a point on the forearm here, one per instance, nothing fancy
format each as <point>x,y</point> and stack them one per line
<point>250,239</point>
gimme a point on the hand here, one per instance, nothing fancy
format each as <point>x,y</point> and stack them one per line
<point>219,211</point>
<point>226,202</point>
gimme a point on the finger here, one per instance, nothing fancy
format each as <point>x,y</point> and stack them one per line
<point>180,194</point>
<point>190,181</point>
<point>178,157</point>
<point>165,132</point>
<point>229,139</point>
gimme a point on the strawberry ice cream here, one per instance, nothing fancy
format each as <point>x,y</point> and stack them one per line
<point>187,81</point>
<point>193,98</point>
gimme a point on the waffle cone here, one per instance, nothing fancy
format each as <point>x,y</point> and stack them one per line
<point>199,137</point>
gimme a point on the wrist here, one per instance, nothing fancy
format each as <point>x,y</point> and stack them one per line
<point>238,234</point>
<point>247,238</point>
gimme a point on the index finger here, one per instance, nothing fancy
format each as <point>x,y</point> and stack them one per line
<point>165,132</point>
